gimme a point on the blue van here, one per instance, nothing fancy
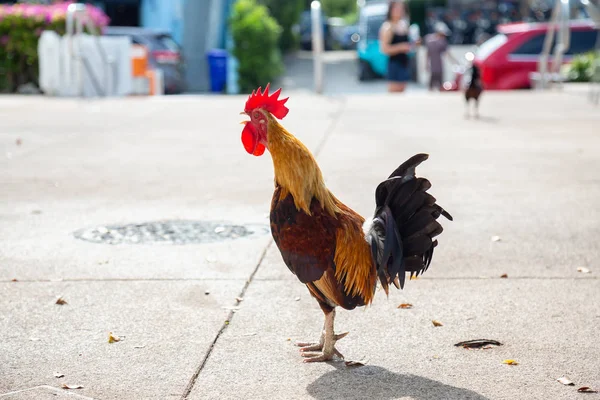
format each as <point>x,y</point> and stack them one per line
<point>372,62</point>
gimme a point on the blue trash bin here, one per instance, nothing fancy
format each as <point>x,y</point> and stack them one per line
<point>217,66</point>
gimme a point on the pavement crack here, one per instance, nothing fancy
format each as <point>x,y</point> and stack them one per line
<point>226,323</point>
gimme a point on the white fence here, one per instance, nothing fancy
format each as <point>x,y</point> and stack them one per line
<point>73,65</point>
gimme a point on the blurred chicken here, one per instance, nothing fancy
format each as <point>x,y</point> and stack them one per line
<point>328,246</point>
<point>473,91</point>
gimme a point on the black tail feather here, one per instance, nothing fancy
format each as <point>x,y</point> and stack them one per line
<point>405,225</point>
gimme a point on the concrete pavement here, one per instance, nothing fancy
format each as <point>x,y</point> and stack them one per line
<point>218,320</point>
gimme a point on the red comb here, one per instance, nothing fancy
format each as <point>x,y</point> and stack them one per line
<point>270,103</point>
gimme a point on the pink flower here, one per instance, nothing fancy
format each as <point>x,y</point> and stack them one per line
<point>52,13</point>
<point>4,40</point>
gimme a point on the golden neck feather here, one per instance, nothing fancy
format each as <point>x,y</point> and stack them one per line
<point>297,171</point>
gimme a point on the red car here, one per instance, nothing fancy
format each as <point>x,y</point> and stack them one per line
<point>506,60</point>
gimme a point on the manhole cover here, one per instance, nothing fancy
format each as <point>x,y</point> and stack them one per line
<point>174,232</point>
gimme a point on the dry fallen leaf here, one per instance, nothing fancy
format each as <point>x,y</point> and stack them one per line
<point>355,363</point>
<point>14,280</point>
<point>585,389</point>
<point>436,323</point>
<point>61,301</point>
<point>583,270</point>
<point>510,362</point>
<point>566,381</point>
<point>113,338</point>
<point>59,375</point>
<point>496,238</point>
<point>478,343</point>
<point>405,305</point>
<point>504,276</point>
<point>65,386</point>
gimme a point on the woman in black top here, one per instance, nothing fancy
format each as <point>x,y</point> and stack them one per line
<point>393,37</point>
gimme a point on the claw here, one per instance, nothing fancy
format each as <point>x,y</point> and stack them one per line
<point>312,347</point>
<point>321,356</point>
<point>312,354</point>
<point>304,344</point>
<point>340,336</point>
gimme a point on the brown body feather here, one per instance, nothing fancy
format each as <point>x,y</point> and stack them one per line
<point>320,239</point>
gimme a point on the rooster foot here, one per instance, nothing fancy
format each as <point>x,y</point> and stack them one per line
<point>321,356</point>
<point>323,351</point>
<point>312,346</point>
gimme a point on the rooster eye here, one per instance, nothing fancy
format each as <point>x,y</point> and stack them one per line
<point>256,114</point>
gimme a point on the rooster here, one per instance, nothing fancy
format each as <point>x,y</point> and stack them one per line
<point>329,247</point>
<point>473,91</point>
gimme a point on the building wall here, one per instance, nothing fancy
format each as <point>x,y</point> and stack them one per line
<point>197,25</point>
<point>164,14</point>
<point>204,22</point>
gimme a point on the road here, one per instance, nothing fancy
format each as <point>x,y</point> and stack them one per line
<point>340,75</point>
<point>148,218</point>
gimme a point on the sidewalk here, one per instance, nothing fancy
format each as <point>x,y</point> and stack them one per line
<point>217,320</point>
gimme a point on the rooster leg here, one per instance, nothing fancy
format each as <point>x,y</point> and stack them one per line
<point>329,338</point>
<point>467,112</point>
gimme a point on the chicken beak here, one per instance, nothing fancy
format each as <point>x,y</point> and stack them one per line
<point>244,122</point>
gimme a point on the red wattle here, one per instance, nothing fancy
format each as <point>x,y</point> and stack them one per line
<point>260,149</point>
<point>249,139</point>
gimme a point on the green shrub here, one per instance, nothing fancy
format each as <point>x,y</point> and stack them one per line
<point>21,26</point>
<point>581,68</point>
<point>256,36</point>
<point>287,14</point>
<point>338,8</point>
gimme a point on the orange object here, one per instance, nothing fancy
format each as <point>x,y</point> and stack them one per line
<point>139,60</point>
<point>151,75</point>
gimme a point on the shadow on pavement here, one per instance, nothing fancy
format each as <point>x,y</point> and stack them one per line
<point>378,383</point>
<point>481,118</point>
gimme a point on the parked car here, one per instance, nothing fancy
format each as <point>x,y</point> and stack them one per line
<point>350,37</point>
<point>163,53</point>
<point>507,59</point>
<point>372,63</point>
<point>305,28</point>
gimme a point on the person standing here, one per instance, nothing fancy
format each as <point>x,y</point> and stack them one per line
<point>395,43</point>
<point>437,45</point>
